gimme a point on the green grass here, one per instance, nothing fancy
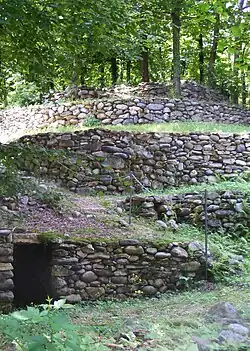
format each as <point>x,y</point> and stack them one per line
<point>237,185</point>
<point>167,323</point>
<point>170,321</point>
<point>182,127</point>
<point>173,127</point>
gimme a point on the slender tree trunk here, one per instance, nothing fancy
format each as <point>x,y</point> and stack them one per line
<point>3,90</point>
<point>201,58</point>
<point>121,71</point>
<point>128,68</point>
<point>235,88</point>
<point>83,74</point>
<point>213,52</point>
<point>144,66</point>
<point>102,75</point>
<point>243,89</point>
<point>176,27</point>
<point>114,70</point>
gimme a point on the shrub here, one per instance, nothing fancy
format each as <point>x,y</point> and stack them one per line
<point>23,93</point>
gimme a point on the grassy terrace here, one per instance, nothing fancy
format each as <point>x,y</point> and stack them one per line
<point>173,127</point>
<point>168,323</point>
<point>240,185</point>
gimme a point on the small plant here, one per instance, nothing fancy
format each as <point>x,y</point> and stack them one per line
<point>91,121</point>
<point>184,283</point>
<point>45,327</point>
<point>53,198</point>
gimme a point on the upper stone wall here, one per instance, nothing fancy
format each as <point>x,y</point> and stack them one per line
<point>190,90</point>
<point>130,111</point>
<point>123,108</point>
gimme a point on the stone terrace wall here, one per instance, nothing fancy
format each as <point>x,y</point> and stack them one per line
<point>101,160</point>
<point>6,270</point>
<point>189,89</point>
<point>227,210</point>
<point>122,269</point>
<point>92,270</point>
<point>118,111</point>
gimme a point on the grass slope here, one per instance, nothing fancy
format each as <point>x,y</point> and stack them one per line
<point>239,185</point>
<point>172,127</point>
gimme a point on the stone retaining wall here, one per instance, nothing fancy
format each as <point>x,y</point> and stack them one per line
<point>100,160</point>
<point>227,210</point>
<point>119,269</point>
<point>189,89</point>
<point>117,111</point>
<point>122,269</point>
<point>6,270</point>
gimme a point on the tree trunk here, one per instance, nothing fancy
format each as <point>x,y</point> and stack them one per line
<point>102,75</point>
<point>114,70</point>
<point>176,27</point>
<point>213,52</point>
<point>201,58</point>
<point>235,89</point>
<point>128,68</point>
<point>235,86</point>
<point>144,66</point>
<point>121,71</point>
<point>3,90</point>
<point>243,89</point>
<point>83,74</point>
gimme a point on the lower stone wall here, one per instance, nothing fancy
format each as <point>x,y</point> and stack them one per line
<point>118,269</point>
<point>227,210</point>
<point>122,269</point>
<point>6,270</point>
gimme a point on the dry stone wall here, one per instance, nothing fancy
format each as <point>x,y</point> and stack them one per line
<point>189,89</point>
<point>130,110</point>
<point>6,270</point>
<point>100,160</point>
<point>123,269</point>
<point>227,210</point>
<point>117,269</point>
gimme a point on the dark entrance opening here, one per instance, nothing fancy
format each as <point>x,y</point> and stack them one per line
<point>32,274</point>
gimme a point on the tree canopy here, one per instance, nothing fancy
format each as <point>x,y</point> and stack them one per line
<point>52,44</point>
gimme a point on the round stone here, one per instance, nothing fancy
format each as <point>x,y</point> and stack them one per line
<point>149,290</point>
<point>162,255</point>
<point>179,252</point>
<point>134,250</point>
<point>88,277</point>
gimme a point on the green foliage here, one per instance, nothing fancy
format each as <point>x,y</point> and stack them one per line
<point>91,122</point>
<point>223,249</point>
<point>49,237</point>
<point>21,92</point>
<point>35,40</point>
<point>45,327</point>
<point>52,197</point>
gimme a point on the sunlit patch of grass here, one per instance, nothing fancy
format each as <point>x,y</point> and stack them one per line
<point>172,127</point>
